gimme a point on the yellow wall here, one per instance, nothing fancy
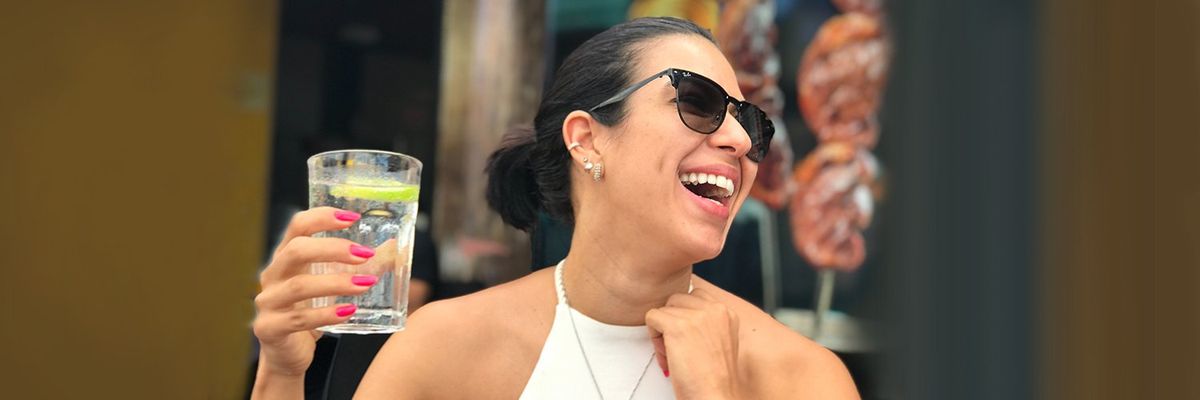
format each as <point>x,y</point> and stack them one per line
<point>133,157</point>
<point>1121,226</point>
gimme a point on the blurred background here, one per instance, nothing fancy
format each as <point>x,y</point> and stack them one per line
<point>1025,173</point>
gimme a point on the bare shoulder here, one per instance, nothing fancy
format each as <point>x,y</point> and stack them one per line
<point>473,335</point>
<point>779,363</point>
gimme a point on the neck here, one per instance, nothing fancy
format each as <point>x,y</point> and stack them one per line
<point>619,285</point>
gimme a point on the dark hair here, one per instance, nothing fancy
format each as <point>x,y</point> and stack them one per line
<point>529,172</point>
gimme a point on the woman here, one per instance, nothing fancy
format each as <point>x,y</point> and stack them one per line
<point>639,146</point>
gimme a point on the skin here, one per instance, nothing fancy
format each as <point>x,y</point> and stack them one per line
<point>636,238</point>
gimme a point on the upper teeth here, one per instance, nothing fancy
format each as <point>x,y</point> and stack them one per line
<point>696,178</point>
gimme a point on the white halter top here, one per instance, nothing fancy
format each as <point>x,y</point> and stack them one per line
<point>618,356</point>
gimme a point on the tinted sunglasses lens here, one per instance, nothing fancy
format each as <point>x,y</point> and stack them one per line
<point>758,127</point>
<point>701,104</point>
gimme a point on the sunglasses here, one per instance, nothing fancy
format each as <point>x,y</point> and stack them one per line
<point>702,106</point>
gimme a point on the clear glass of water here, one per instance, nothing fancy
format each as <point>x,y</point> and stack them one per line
<point>382,187</point>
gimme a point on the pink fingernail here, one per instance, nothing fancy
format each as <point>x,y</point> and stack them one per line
<point>361,251</point>
<point>666,373</point>
<point>347,216</point>
<point>346,310</point>
<point>364,280</point>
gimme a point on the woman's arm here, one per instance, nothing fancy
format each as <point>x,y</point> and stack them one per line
<point>284,326</point>
<point>269,385</point>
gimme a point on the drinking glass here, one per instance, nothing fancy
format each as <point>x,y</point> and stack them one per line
<point>383,188</point>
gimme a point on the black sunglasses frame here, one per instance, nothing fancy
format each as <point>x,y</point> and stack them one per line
<point>765,129</point>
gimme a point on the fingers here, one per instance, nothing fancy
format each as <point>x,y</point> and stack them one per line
<point>695,334</point>
<point>716,306</point>
<point>711,310</point>
<point>279,317</point>
<point>683,306</point>
<point>384,259</point>
<point>663,318</point>
<point>273,327</point>
<point>660,355</point>
<point>303,250</point>
<point>318,219</point>
<point>655,321</point>
<point>286,294</point>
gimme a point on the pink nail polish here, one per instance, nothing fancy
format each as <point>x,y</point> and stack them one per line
<point>361,251</point>
<point>346,310</point>
<point>346,216</point>
<point>364,280</point>
<point>666,373</point>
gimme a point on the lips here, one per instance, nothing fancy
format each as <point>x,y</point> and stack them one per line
<point>711,187</point>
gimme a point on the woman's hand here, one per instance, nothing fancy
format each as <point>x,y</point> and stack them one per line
<point>696,340</point>
<point>285,324</point>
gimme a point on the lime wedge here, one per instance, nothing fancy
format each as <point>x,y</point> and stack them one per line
<point>406,193</point>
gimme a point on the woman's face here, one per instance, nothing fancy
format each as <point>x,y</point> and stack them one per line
<point>653,161</point>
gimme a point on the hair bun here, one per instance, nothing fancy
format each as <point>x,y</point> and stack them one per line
<point>512,190</point>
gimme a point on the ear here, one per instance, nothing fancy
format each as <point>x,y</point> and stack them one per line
<point>580,127</point>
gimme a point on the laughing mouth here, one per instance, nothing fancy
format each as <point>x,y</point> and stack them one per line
<point>716,188</point>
